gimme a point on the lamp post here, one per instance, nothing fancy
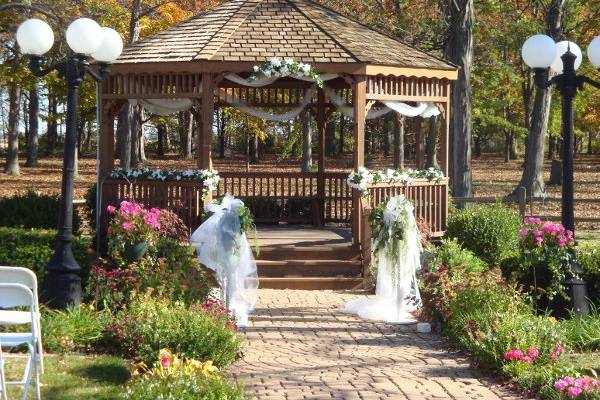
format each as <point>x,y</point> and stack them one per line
<point>540,52</point>
<point>86,40</point>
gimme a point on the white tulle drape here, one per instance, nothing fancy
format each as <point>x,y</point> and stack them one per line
<point>163,107</point>
<point>223,248</point>
<point>397,291</point>
<point>265,81</point>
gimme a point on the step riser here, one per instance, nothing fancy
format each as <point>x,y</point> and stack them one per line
<point>283,254</point>
<point>301,284</point>
<point>321,270</point>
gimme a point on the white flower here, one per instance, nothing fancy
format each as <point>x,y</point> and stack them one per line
<point>276,62</point>
<point>256,68</point>
<point>267,73</point>
<point>288,61</point>
<point>305,68</point>
<point>284,71</point>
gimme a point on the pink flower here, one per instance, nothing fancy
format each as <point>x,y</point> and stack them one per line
<point>128,225</point>
<point>574,392</point>
<point>560,385</point>
<point>533,352</point>
<point>527,359</point>
<point>533,220</point>
<point>441,268</point>
<point>165,361</point>
<point>523,232</point>
<point>111,209</point>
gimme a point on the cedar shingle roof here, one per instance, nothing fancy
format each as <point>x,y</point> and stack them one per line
<point>256,30</point>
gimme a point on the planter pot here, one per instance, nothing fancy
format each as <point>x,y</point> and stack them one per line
<point>135,251</point>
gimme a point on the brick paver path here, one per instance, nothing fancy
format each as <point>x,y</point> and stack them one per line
<point>300,347</point>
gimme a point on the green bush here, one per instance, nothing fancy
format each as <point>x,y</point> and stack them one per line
<point>183,387</point>
<point>32,248</point>
<point>33,210</point>
<point>583,333</point>
<point>202,333</point>
<point>588,256</point>
<point>90,206</point>
<point>491,232</point>
<point>76,328</point>
<point>451,255</point>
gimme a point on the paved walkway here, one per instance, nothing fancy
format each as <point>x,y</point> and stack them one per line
<point>300,347</point>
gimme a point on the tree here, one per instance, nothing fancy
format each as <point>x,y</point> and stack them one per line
<point>33,132</point>
<point>431,148</point>
<point>533,169</point>
<point>306,142</point>
<point>459,50</point>
<point>12,154</point>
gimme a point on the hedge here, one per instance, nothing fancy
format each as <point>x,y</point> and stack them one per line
<point>32,248</point>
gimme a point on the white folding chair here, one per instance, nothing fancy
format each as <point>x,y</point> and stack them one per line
<point>16,295</point>
<point>25,277</point>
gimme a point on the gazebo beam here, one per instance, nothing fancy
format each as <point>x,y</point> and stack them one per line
<point>360,114</point>
<point>321,121</point>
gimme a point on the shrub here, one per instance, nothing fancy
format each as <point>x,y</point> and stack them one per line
<point>183,387</point>
<point>583,333</point>
<point>201,332</point>
<point>491,232</point>
<point>33,210</point>
<point>451,254</point>
<point>172,226</point>
<point>588,255</point>
<point>32,248</point>
<point>76,328</point>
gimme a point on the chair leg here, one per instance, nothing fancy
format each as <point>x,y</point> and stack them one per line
<point>2,376</point>
<point>40,348</point>
<point>27,374</point>
<point>36,374</point>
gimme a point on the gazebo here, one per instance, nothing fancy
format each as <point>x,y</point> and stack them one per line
<point>205,62</point>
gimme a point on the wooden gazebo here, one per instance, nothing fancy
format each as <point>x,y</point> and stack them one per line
<point>193,59</point>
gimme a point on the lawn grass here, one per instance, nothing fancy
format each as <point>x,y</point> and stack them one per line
<point>74,377</point>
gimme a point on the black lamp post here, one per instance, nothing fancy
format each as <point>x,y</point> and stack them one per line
<point>86,39</point>
<point>540,52</point>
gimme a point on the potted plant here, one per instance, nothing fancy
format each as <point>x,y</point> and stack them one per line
<point>545,263</point>
<point>132,229</point>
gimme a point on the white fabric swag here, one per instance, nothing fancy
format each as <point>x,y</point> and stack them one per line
<point>265,81</point>
<point>163,107</point>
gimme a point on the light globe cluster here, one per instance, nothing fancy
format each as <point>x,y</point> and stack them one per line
<point>84,36</point>
<point>540,51</point>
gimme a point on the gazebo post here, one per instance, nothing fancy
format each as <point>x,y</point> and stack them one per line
<point>321,156</point>
<point>205,134</point>
<point>106,137</point>
<point>444,138</point>
<point>359,102</point>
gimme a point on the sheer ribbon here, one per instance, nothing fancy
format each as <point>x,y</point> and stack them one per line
<point>163,107</point>
<point>265,81</point>
<point>397,291</point>
<point>223,248</point>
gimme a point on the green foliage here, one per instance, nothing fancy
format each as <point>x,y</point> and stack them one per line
<point>583,333</point>
<point>451,254</point>
<point>32,248</point>
<point>588,255</point>
<point>183,387</point>
<point>32,210</point>
<point>491,232</point>
<point>201,332</point>
<point>90,206</point>
<point>76,328</point>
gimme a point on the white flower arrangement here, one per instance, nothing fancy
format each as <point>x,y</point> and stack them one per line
<point>209,178</point>
<point>362,178</point>
<point>281,67</point>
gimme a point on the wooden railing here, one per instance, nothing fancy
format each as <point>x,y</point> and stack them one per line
<point>429,198</point>
<point>291,196</point>
<point>183,197</point>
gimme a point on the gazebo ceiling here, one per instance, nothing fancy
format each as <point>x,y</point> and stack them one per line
<point>252,31</point>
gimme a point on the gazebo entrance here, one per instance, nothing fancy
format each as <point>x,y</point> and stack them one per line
<point>207,61</point>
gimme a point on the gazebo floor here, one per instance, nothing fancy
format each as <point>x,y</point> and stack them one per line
<point>301,257</point>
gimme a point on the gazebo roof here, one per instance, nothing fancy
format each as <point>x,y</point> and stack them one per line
<point>256,30</point>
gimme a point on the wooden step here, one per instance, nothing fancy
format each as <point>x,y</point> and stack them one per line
<point>275,253</point>
<point>309,268</point>
<point>310,283</point>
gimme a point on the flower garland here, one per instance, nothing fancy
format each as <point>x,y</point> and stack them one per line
<point>210,178</point>
<point>281,67</point>
<point>362,178</point>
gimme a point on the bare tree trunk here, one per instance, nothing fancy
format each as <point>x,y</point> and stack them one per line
<point>590,149</point>
<point>161,133</point>
<point>124,133</point>
<point>399,122</point>
<point>330,137</point>
<point>342,134</point>
<point>459,50</point>
<point>136,145</point>
<point>221,128</point>
<point>431,147</point>
<point>12,155</point>
<point>533,171</point>
<point>387,127</point>
<point>513,150</point>
<point>186,135</point>
<point>306,142</point>
<point>33,133</point>
<point>52,133</point>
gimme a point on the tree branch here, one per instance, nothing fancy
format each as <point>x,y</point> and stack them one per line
<point>39,9</point>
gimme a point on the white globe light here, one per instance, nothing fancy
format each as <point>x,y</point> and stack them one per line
<point>561,47</point>
<point>111,46</point>
<point>35,37</point>
<point>539,51</point>
<point>84,36</point>
<point>594,52</point>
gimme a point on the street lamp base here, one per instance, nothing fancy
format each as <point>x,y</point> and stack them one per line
<point>61,289</point>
